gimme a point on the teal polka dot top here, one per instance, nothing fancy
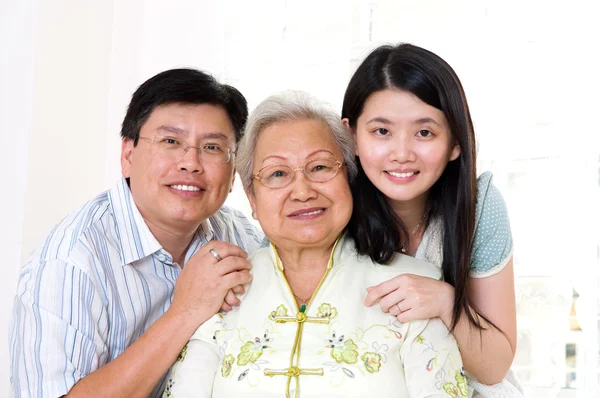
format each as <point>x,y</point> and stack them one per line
<point>492,244</point>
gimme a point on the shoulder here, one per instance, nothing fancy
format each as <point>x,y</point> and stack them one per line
<point>400,264</point>
<point>69,255</point>
<point>492,243</point>
<point>82,226</point>
<point>488,196</point>
<point>403,264</point>
<point>232,225</point>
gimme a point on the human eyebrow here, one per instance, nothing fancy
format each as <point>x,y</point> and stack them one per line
<point>171,129</point>
<point>425,120</point>
<point>273,157</point>
<point>319,152</point>
<point>379,119</point>
<point>214,136</point>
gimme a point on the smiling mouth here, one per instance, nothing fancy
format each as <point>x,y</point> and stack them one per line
<point>307,213</point>
<point>185,188</point>
<point>402,175</point>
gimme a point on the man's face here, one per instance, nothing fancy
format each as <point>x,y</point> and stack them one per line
<point>176,191</point>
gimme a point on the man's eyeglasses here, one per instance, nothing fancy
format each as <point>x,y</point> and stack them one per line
<point>176,148</point>
<point>281,175</point>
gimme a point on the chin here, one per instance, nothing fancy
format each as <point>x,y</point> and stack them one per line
<point>187,217</point>
<point>315,239</point>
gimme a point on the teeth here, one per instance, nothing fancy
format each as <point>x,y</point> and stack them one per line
<point>311,213</point>
<point>401,175</point>
<point>185,188</point>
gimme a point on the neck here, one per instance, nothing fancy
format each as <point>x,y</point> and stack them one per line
<point>411,212</point>
<point>304,269</point>
<point>175,242</point>
<point>303,259</point>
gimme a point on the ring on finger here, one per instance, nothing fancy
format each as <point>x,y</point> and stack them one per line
<point>397,306</point>
<point>215,254</point>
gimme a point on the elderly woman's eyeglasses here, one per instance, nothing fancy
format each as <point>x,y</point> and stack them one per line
<point>174,147</point>
<point>281,175</point>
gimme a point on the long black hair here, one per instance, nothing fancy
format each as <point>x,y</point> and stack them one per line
<point>375,227</point>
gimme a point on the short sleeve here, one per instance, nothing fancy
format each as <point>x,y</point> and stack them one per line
<point>194,371</point>
<point>492,244</point>
<point>55,337</point>
<point>432,362</point>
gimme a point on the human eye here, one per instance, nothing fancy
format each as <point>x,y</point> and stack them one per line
<point>424,133</point>
<point>169,141</point>
<point>275,176</point>
<point>321,166</point>
<point>276,173</point>
<point>381,131</point>
<point>212,148</point>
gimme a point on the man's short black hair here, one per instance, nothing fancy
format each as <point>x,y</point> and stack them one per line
<point>186,86</point>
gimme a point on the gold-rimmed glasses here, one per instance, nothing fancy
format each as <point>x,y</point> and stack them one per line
<point>281,175</point>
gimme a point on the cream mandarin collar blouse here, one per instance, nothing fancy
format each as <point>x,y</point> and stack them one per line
<point>335,347</point>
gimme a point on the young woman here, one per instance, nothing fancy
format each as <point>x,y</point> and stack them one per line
<point>417,193</point>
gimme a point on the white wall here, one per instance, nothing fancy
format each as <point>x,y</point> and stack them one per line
<point>91,56</point>
<point>17,27</point>
<point>68,69</point>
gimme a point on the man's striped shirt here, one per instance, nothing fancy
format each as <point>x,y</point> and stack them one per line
<point>99,281</point>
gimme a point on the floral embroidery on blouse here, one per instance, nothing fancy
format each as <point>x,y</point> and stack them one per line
<point>170,383</point>
<point>181,355</point>
<point>374,354</point>
<point>456,386</point>
<point>252,350</point>
<point>228,361</point>
<point>280,311</point>
<point>327,311</point>
<point>342,351</point>
<point>372,361</point>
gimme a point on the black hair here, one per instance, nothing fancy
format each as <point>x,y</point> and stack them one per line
<point>377,231</point>
<point>187,86</point>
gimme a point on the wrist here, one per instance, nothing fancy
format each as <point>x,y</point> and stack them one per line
<point>186,320</point>
<point>448,313</point>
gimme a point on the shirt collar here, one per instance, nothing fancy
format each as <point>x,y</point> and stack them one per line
<point>134,237</point>
<point>203,235</point>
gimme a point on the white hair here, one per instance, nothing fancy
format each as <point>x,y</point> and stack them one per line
<point>287,107</point>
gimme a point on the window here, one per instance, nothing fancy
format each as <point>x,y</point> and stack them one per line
<point>532,89</point>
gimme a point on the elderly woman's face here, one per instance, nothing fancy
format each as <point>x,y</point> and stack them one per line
<point>304,213</point>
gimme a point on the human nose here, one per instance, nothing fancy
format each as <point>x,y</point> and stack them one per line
<point>401,149</point>
<point>302,188</point>
<point>190,160</point>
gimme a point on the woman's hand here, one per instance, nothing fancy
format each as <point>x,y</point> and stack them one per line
<point>410,297</point>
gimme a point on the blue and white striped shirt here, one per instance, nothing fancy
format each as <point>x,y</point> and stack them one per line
<point>99,281</point>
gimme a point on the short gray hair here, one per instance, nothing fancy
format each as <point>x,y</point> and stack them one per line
<point>291,106</point>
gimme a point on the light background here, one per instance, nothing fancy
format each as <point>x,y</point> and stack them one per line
<point>530,69</point>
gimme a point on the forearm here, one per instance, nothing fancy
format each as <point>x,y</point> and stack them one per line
<point>140,367</point>
<point>487,354</point>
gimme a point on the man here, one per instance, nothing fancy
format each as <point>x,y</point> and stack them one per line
<point>119,286</point>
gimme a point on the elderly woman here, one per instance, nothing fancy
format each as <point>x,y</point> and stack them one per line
<point>302,329</point>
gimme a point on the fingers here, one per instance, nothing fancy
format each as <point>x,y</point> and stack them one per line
<point>233,264</point>
<point>399,308</point>
<point>239,289</point>
<point>390,300</point>
<point>226,307</point>
<point>375,293</point>
<point>237,278</point>
<point>223,249</point>
<point>231,299</point>
<point>408,316</point>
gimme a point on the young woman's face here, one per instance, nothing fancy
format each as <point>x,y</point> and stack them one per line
<point>403,144</point>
